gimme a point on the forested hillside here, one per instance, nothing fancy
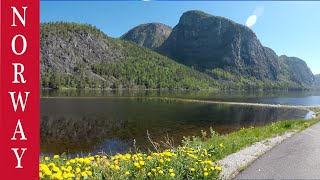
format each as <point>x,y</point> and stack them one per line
<point>81,56</point>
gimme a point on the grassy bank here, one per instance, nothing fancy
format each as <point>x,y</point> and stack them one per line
<point>195,159</point>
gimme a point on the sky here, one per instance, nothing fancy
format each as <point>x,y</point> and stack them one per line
<point>289,28</point>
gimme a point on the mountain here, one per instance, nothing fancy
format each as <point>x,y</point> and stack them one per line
<point>298,71</point>
<point>150,35</point>
<point>317,76</point>
<point>202,51</point>
<point>80,55</point>
<point>207,42</point>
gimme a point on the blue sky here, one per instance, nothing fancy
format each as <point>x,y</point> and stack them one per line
<point>290,28</point>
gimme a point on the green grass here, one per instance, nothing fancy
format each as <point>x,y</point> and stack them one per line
<point>196,158</point>
<point>237,140</point>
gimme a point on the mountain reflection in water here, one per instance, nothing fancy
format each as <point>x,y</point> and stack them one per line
<point>75,125</point>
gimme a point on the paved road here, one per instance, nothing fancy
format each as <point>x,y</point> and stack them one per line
<point>296,158</point>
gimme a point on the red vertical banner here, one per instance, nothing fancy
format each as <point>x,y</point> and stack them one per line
<point>19,87</point>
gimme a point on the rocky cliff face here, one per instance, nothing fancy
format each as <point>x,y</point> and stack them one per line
<point>317,79</point>
<point>205,42</point>
<point>79,55</point>
<point>229,55</point>
<point>150,35</point>
<point>66,46</point>
<point>298,71</point>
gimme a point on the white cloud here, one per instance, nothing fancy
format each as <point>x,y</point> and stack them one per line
<point>251,20</point>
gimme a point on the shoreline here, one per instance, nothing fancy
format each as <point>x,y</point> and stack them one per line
<point>308,108</point>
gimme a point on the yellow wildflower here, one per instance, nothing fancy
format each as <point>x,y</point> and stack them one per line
<point>89,173</point>
<point>86,160</point>
<point>83,174</point>
<point>78,170</point>
<point>136,165</point>
<point>141,163</point>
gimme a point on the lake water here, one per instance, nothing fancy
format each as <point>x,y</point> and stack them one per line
<point>111,121</point>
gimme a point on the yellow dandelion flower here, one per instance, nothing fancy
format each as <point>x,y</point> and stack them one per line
<point>80,160</point>
<point>83,174</point>
<point>221,144</point>
<point>78,170</point>
<point>47,158</point>
<point>48,172</point>
<point>206,174</point>
<point>218,168</point>
<point>128,156</point>
<point>205,169</point>
<point>192,169</point>
<point>127,173</point>
<point>137,165</point>
<point>55,169</point>
<point>89,173</point>
<point>171,170</point>
<point>86,160</point>
<point>141,163</point>
<point>172,174</point>
<point>107,163</point>
<point>56,157</point>
<point>65,175</point>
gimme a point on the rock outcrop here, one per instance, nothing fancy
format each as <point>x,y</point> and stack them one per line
<point>150,35</point>
<point>205,42</point>
<point>298,71</point>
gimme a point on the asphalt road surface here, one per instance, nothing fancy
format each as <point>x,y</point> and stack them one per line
<point>295,158</point>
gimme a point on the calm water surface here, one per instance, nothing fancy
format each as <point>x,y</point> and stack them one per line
<point>110,121</point>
